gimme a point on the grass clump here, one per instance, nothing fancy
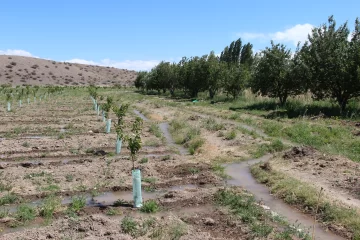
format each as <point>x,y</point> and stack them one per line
<point>295,192</point>
<point>49,206</point>
<point>25,213</point>
<point>151,180</point>
<point>220,170</point>
<point>129,226</point>
<point>195,144</point>
<point>230,135</point>
<point>154,129</point>
<point>150,206</point>
<point>274,146</point>
<point>185,134</point>
<point>77,204</point>
<point>9,198</point>
<point>144,160</point>
<point>212,125</point>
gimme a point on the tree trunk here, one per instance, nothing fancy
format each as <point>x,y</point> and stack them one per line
<point>283,99</point>
<point>342,103</point>
<point>211,94</point>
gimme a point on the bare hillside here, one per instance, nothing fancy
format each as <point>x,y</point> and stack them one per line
<point>18,70</point>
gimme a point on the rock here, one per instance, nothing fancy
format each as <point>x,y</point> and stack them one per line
<point>169,195</point>
<point>49,236</point>
<point>26,164</point>
<point>265,207</point>
<point>3,165</point>
<point>265,166</point>
<point>209,221</point>
<point>99,153</point>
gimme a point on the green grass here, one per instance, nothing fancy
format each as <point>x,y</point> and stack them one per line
<point>212,125</point>
<point>220,170</point>
<point>77,203</point>
<point>144,160</point>
<point>154,129</point>
<point>187,135</point>
<point>230,135</point>
<point>51,188</point>
<point>332,139</point>
<point>25,213</point>
<point>262,149</point>
<point>9,198</point>
<point>129,226</point>
<point>150,206</point>
<point>295,192</point>
<point>260,222</point>
<point>151,180</point>
<point>49,206</point>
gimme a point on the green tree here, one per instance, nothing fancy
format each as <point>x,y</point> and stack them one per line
<point>273,73</point>
<point>333,62</point>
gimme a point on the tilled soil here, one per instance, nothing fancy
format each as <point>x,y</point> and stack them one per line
<point>338,175</point>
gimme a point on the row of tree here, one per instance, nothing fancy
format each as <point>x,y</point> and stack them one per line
<point>327,64</point>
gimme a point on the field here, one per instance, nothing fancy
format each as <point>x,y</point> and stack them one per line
<point>61,178</point>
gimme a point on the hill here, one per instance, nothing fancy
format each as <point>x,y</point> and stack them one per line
<point>18,70</point>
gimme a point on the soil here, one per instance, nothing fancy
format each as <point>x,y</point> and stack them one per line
<point>18,70</point>
<point>57,147</point>
<point>340,177</point>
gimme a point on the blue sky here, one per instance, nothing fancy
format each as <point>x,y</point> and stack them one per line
<point>138,34</point>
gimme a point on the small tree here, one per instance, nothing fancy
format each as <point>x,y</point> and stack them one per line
<point>134,142</point>
<point>8,99</point>
<point>34,91</point>
<point>120,113</point>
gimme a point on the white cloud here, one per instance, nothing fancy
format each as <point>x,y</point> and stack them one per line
<point>16,52</point>
<point>81,61</point>
<point>294,34</point>
<point>136,65</point>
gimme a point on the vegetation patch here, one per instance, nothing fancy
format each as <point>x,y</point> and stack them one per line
<point>295,192</point>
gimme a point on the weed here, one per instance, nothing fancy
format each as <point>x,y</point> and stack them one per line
<point>112,212</point>
<point>74,151</point>
<point>110,154</point>
<point>149,189</point>
<point>150,206</point>
<point>69,177</point>
<point>211,125</point>
<point>195,144</point>
<point>25,144</point>
<point>151,180</point>
<point>274,146</point>
<point>51,188</point>
<point>121,202</point>
<point>230,135</point>
<point>77,203</point>
<point>194,170</point>
<point>9,198</point>
<point>220,170</point>
<point>144,160</point>
<point>36,175</point>
<point>177,230</point>
<point>167,157</point>
<point>25,213</point>
<point>49,206</point>
<point>154,129</point>
<point>129,226</point>
<point>4,213</point>
<point>295,192</point>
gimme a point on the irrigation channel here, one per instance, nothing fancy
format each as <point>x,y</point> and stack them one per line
<point>241,176</point>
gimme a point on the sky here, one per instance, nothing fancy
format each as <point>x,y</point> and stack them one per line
<point>138,34</point>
